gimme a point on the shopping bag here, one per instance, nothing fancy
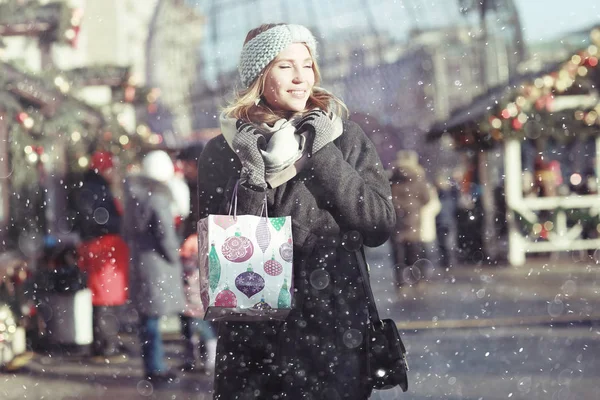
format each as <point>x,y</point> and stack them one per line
<point>245,265</point>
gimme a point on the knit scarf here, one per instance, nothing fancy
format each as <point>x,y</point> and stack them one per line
<point>286,151</point>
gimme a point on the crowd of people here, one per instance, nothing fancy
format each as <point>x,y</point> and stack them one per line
<point>140,248</point>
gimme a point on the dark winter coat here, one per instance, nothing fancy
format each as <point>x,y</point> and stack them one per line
<point>319,350</point>
<point>97,212</point>
<point>155,287</point>
<point>102,254</point>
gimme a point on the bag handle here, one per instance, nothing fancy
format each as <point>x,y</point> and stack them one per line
<point>233,202</point>
<point>362,266</point>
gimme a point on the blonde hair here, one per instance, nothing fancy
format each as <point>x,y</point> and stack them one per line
<point>244,104</point>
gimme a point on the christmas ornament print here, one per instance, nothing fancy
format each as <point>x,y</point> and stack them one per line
<point>277,222</point>
<point>214,268</point>
<point>286,250</point>
<point>262,305</point>
<point>249,282</point>
<point>263,235</point>
<point>273,267</point>
<point>285,297</point>
<point>224,221</point>
<point>237,248</point>
<point>226,298</point>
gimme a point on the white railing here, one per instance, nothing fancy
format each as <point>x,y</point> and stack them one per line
<point>562,237</point>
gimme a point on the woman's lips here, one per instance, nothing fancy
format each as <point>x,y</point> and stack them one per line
<point>299,94</point>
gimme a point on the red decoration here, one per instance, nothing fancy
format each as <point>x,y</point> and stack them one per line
<point>226,298</point>
<point>21,117</point>
<point>129,94</point>
<point>237,248</point>
<point>516,124</point>
<point>73,41</point>
<point>273,267</point>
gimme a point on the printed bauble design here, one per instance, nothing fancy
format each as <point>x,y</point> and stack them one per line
<point>285,297</point>
<point>224,221</point>
<point>277,222</point>
<point>262,305</point>
<point>226,298</point>
<point>237,248</point>
<point>273,267</point>
<point>286,250</point>
<point>249,282</point>
<point>214,268</point>
<point>263,234</point>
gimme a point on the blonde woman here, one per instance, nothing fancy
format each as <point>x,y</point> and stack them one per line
<point>285,136</point>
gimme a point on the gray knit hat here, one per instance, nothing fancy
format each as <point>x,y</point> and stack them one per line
<point>264,47</point>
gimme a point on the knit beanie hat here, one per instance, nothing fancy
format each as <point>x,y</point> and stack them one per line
<point>264,47</point>
<point>158,165</point>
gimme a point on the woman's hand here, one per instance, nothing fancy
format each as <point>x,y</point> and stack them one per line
<point>320,125</point>
<point>247,143</point>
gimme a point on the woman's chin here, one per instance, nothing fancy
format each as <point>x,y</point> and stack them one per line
<point>296,106</point>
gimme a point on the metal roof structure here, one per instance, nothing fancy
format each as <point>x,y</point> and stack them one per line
<point>404,64</point>
<point>228,21</point>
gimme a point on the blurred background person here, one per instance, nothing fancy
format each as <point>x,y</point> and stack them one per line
<point>102,254</point>
<point>200,342</point>
<point>409,194</point>
<point>429,213</point>
<point>448,194</point>
<point>188,161</point>
<point>156,271</point>
<point>547,177</point>
<point>180,206</point>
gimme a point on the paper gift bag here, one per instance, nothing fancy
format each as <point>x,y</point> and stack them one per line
<point>245,267</point>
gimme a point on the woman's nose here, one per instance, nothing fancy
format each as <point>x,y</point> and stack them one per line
<point>298,76</point>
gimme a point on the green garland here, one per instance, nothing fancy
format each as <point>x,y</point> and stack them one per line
<point>574,217</point>
<point>109,75</point>
<point>525,111</point>
<point>56,14</point>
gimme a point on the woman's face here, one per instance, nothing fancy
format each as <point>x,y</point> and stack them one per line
<point>290,80</point>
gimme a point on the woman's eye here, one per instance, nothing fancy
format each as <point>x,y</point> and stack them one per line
<point>285,66</point>
<point>308,66</point>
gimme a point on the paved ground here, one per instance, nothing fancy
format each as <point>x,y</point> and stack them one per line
<point>475,332</point>
<point>498,332</point>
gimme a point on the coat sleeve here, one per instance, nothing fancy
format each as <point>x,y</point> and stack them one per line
<point>354,186</point>
<point>218,171</point>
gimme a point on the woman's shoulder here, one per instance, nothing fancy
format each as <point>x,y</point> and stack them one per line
<point>352,129</point>
<point>353,135</point>
<point>216,144</point>
<point>216,148</point>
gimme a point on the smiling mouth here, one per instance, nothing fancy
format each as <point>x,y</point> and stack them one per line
<point>297,93</point>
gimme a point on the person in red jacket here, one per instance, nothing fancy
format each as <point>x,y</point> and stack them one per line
<point>102,254</point>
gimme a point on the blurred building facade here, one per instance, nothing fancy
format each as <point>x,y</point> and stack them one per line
<point>175,32</point>
<point>157,43</point>
<point>74,77</point>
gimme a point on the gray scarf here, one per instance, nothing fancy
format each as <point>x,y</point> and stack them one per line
<point>286,148</point>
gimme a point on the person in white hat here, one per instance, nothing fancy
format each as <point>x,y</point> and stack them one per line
<point>155,284</point>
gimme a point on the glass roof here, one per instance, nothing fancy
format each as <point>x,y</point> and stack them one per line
<point>228,21</point>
